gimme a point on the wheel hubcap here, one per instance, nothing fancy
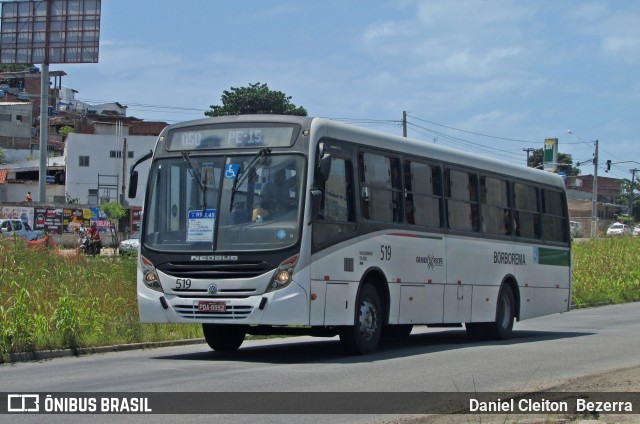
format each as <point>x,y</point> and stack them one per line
<point>506,312</point>
<point>368,320</point>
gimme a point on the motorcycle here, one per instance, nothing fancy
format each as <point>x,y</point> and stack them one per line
<point>89,247</point>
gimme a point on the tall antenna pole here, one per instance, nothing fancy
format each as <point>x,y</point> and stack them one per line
<point>404,123</point>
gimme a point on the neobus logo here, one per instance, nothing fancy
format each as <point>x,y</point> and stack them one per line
<point>214,258</point>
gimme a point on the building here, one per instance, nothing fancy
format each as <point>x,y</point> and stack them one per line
<point>580,200</point>
<point>97,165</point>
<point>18,178</point>
<point>88,166</point>
<point>16,127</point>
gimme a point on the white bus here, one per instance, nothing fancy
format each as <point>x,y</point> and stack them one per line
<point>265,224</point>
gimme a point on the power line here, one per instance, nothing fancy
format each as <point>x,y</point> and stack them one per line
<point>471,132</point>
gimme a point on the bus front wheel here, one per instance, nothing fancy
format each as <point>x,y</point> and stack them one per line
<point>364,336</point>
<point>223,338</point>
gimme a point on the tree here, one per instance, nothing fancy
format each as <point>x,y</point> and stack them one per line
<point>630,198</point>
<point>254,99</point>
<point>565,162</point>
<point>15,67</point>
<point>114,212</point>
<point>66,130</point>
<point>1,155</point>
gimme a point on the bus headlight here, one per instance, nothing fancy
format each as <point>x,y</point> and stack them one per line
<point>149,275</point>
<point>283,275</point>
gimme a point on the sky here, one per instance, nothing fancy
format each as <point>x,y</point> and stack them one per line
<point>491,77</point>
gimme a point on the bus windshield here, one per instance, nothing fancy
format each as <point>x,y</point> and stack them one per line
<point>207,203</point>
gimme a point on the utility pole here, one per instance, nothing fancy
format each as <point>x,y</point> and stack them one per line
<point>124,170</point>
<point>528,150</point>
<point>404,123</point>
<point>594,211</point>
<point>631,196</point>
<point>44,111</point>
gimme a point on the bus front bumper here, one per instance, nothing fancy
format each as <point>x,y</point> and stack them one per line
<point>287,306</point>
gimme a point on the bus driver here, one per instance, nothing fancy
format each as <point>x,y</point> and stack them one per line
<point>275,194</point>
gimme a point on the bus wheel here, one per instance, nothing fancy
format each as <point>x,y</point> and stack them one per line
<point>223,338</point>
<point>364,336</point>
<point>502,327</point>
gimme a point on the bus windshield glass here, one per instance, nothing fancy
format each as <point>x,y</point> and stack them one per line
<point>224,203</point>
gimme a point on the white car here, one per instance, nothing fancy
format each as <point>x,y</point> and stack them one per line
<point>130,246</point>
<point>636,231</point>
<point>619,229</point>
<point>16,227</point>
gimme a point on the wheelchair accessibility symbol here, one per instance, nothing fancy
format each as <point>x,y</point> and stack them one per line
<point>231,170</point>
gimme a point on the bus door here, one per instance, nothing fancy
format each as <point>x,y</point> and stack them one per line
<point>334,265</point>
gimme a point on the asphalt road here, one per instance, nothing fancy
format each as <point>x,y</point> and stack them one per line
<point>544,352</point>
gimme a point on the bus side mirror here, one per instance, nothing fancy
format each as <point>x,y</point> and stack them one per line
<point>316,203</point>
<point>324,168</point>
<point>133,184</point>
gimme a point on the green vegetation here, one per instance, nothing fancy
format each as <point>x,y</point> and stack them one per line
<point>53,301</point>
<point>256,98</point>
<point>49,301</point>
<point>65,130</point>
<point>606,271</point>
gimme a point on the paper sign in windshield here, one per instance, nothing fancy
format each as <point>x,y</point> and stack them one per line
<point>200,225</point>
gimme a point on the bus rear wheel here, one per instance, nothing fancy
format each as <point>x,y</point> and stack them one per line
<point>364,336</point>
<point>502,327</point>
<point>223,338</point>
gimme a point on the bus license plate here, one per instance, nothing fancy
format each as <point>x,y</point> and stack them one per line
<point>220,307</point>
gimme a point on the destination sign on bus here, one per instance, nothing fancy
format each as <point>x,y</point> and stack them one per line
<point>232,137</point>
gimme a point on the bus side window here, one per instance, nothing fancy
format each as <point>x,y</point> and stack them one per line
<point>494,199</point>
<point>337,203</point>
<point>555,220</point>
<point>461,191</point>
<point>526,211</point>
<point>337,218</point>
<point>423,194</point>
<point>380,188</point>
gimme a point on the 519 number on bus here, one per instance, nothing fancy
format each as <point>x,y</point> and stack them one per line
<point>385,252</point>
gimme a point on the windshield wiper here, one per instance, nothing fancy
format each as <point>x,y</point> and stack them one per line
<point>249,170</point>
<point>257,160</point>
<point>195,174</point>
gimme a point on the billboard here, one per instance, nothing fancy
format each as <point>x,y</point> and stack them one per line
<point>550,155</point>
<point>54,31</point>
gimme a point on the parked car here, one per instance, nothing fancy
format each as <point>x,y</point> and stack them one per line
<point>15,227</point>
<point>636,231</point>
<point>130,246</point>
<point>576,229</point>
<point>619,229</point>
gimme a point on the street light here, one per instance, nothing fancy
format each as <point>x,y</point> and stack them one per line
<point>594,203</point>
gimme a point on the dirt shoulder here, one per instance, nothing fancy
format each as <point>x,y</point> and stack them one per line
<point>622,380</point>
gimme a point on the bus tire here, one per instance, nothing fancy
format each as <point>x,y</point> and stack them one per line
<point>223,338</point>
<point>364,336</point>
<point>502,327</point>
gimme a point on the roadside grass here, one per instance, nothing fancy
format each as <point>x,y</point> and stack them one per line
<point>49,301</point>
<point>606,270</point>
